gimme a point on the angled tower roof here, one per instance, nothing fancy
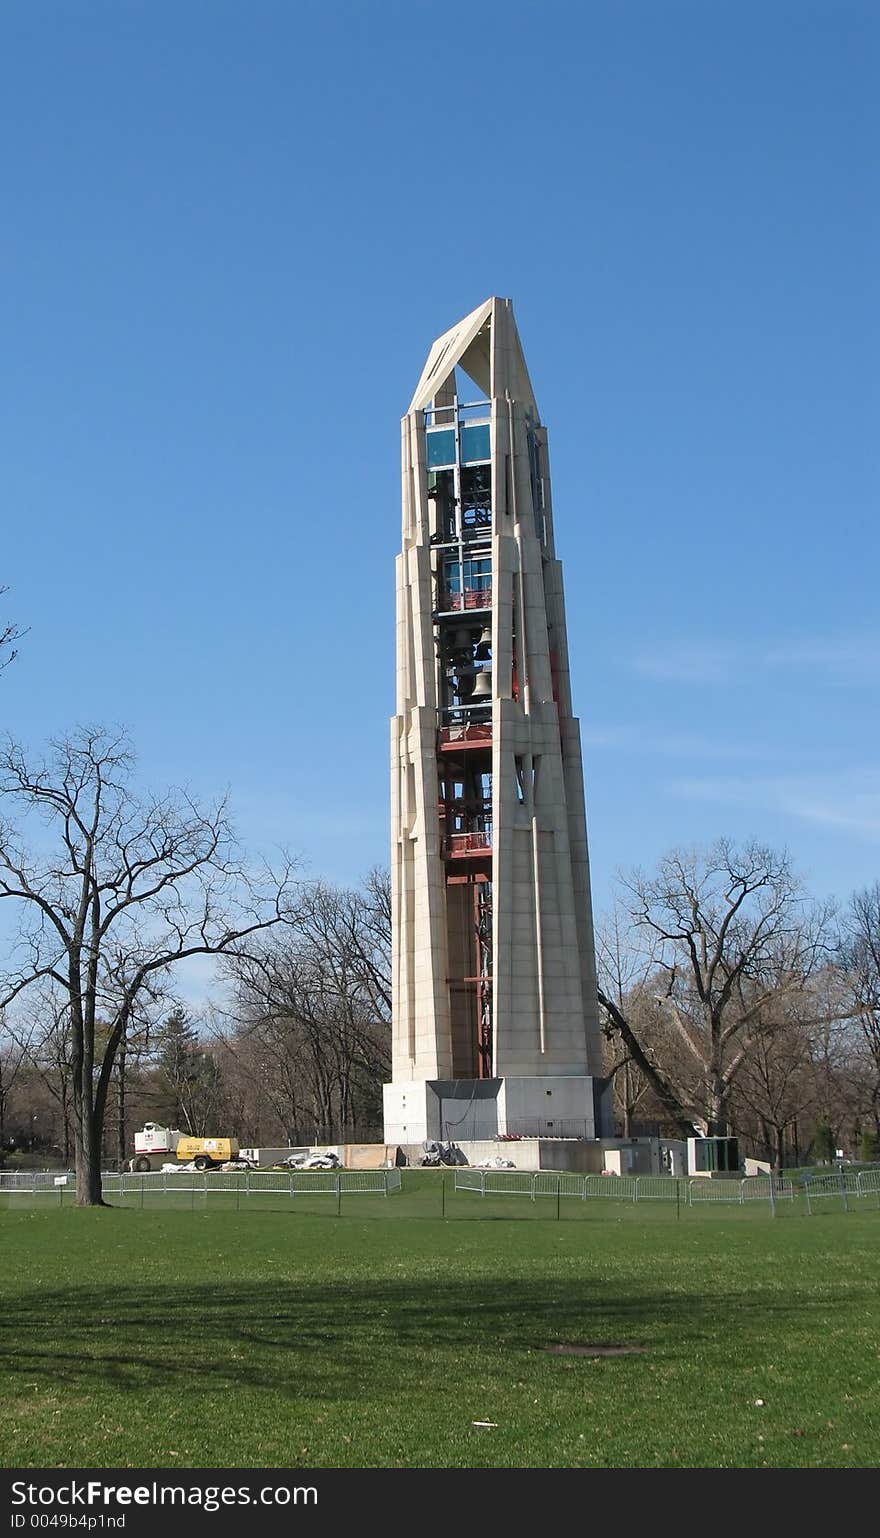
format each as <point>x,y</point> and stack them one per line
<point>487,346</point>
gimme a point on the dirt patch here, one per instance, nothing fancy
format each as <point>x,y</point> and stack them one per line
<point>605,1349</point>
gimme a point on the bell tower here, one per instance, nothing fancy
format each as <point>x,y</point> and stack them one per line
<point>495,1018</point>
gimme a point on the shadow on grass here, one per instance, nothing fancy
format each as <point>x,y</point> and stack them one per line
<point>320,1342</point>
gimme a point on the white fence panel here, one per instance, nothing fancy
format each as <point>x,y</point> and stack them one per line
<point>153,1185</point>
<point>470,1180</point>
<point>29,1180</point>
<point>760,1188</point>
<point>546,1183</point>
<point>367,1181</point>
<point>705,1190</point>
<point>842,1184</point>
<point>656,1188</point>
<point>572,1185</point>
<point>620,1188</point>
<point>507,1183</point>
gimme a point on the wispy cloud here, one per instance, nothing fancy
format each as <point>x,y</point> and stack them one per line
<point>688,745</point>
<point>694,662</point>
<point>277,818</point>
<point>844,660</point>
<point>849,800</point>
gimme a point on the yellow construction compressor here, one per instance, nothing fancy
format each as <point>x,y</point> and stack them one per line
<point>158,1145</point>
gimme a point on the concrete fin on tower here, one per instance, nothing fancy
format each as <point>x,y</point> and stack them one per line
<point>486,345</point>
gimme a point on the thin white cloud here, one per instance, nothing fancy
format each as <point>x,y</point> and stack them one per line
<point>844,660</point>
<point>849,800</point>
<point>674,744</point>
<point>294,820</point>
<point>688,663</point>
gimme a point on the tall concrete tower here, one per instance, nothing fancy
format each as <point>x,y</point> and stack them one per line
<point>495,1020</point>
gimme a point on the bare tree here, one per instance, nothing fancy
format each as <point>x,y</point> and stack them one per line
<point>42,1030</point>
<point>313,1011</point>
<point>13,1055</point>
<point>619,970</point>
<point>673,1103</point>
<point>860,960</point>
<point>42,1035</point>
<point>775,1085</point>
<point>727,933</point>
<point>9,634</point>
<point>119,889</point>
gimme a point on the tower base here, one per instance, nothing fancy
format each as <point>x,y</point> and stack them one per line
<point>449,1110</point>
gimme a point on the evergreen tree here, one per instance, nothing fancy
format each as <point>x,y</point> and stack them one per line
<point>823,1141</point>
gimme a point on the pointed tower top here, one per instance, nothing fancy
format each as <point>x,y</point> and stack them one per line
<point>487,346</point>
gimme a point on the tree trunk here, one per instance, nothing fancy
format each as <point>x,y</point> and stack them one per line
<point>64,1099</point>
<point>717,1107</point>
<point>89,1191</point>
<point>87,1147</point>
<point>625,1098</point>
<point>121,1129</point>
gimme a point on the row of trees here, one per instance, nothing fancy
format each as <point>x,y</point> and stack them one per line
<point>734,1003</point>
<point>113,890</point>
<point>731,1001</point>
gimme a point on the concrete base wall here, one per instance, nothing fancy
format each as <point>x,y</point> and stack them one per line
<point>368,1156</point>
<point>620,1156</point>
<point>632,1156</point>
<point>529,1154</point>
<point>551,1106</point>
<point>475,1110</point>
<point>264,1158</point>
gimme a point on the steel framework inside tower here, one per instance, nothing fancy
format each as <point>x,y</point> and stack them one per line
<point>458,437</point>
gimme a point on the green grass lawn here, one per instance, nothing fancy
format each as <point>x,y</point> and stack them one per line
<point>296,1339</point>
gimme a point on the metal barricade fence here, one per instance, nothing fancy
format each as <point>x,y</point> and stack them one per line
<point>202,1184</point>
<point>702,1190</point>
<point>286,1185</point>
<point>627,1188</point>
<point>508,1183</point>
<point>869,1183</point>
<point>619,1188</point>
<point>375,1182</point>
<point>470,1180</point>
<point>833,1185</point>
<point>763,1188</point>
<point>558,1183</point>
<point>28,1180</point>
<point>843,1184</point>
<point>655,1188</point>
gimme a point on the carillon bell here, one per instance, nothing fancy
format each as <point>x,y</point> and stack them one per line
<point>484,645</point>
<point>483,685</point>
<point>462,638</point>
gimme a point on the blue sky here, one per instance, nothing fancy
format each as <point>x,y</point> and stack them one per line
<point>230,233</point>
